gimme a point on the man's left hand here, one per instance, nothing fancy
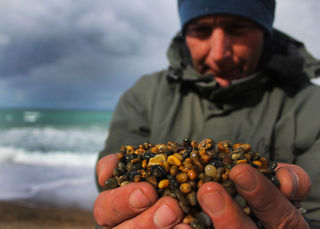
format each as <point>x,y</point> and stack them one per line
<point>270,204</point>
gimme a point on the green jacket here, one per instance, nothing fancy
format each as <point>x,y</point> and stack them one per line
<point>276,110</point>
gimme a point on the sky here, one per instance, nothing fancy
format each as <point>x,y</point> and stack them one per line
<point>84,54</point>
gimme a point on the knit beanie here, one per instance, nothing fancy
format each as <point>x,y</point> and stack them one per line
<point>259,11</point>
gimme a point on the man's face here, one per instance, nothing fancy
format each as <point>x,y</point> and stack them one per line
<point>228,47</point>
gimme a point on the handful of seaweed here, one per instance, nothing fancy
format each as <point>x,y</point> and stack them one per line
<point>178,170</point>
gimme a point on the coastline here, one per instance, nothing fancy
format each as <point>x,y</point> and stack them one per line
<point>25,215</point>
<point>41,196</point>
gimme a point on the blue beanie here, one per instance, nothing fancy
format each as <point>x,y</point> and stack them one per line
<point>259,11</point>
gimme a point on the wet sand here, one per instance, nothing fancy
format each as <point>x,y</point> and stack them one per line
<point>17,215</point>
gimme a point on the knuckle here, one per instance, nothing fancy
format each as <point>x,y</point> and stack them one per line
<point>105,168</point>
<point>101,163</point>
<point>98,212</point>
<point>292,220</point>
<point>304,185</point>
<point>265,202</point>
<point>101,213</point>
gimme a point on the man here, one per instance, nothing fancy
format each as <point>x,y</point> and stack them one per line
<point>231,76</point>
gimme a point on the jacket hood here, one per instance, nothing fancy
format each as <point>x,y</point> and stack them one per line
<point>285,61</point>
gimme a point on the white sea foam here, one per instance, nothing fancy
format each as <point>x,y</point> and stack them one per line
<point>51,146</point>
<point>31,116</point>
<point>20,156</point>
<point>47,139</point>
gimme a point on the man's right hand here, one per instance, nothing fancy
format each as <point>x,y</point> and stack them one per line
<point>135,205</point>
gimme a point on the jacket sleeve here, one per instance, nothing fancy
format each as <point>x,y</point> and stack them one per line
<point>310,162</point>
<point>131,120</point>
<point>129,124</point>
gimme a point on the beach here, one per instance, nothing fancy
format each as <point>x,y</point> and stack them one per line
<point>39,196</point>
<point>18,215</point>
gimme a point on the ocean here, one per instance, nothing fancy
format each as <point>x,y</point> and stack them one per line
<point>48,156</point>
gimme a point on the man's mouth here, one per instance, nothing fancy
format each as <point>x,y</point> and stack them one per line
<point>234,73</point>
<point>224,78</point>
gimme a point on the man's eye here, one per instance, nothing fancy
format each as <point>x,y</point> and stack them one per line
<point>237,29</point>
<point>199,31</point>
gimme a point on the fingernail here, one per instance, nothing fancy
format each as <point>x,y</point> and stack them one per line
<point>164,216</point>
<point>179,227</point>
<point>295,183</point>
<point>214,202</point>
<point>138,199</point>
<point>246,181</point>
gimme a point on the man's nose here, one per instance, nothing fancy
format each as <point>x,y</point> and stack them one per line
<point>220,45</point>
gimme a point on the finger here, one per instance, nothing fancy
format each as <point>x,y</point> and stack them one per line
<point>114,206</point>
<point>165,213</point>
<point>223,211</point>
<point>183,226</point>
<point>295,183</point>
<point>265,199</point>
<point>105,168</point>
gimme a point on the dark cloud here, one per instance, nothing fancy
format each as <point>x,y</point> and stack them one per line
<point>45,33</point>
<point>84,54</point>
<point>62,54</point>
<point>19,57</point>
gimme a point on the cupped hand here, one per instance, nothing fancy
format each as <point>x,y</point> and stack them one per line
<point>270,204</point>
<point>135,205</point>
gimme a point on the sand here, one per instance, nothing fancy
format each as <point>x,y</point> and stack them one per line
<point>17,215</point>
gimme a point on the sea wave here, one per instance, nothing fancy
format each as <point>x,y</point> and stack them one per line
<point>55,158</point>
<point>51,139</point>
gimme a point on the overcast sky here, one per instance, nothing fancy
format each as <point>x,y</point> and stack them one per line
<point>84,53</point>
